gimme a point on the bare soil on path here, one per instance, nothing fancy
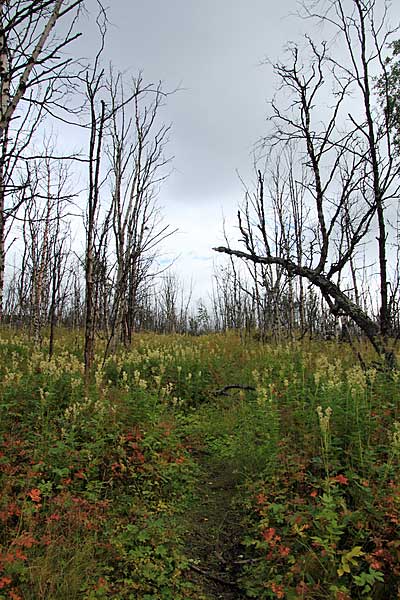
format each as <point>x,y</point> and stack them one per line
<point>214,531</point>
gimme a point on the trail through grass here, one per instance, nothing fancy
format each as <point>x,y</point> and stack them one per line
<point>148,485</point>
<point>213,535</point>
<point>214,528</point>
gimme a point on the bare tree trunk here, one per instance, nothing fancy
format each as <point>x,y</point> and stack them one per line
<point>95,148</point>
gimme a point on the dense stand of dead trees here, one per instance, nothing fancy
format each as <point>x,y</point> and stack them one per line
<point>317,229</point>
<point>327,114</point>
<point>36,77</point>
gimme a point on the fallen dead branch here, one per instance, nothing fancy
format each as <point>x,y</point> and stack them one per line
<point>224,391</point>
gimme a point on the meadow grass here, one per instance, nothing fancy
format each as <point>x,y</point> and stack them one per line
<point>101,485</point>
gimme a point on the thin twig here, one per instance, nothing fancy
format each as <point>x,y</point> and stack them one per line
<point>211,576</point>
<point>246,561</point>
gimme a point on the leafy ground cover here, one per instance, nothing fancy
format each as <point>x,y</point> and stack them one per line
<point>150,485</point>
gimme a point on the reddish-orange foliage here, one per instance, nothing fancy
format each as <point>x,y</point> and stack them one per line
<point>35,495</point>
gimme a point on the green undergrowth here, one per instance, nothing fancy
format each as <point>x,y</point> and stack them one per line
<point>151,485</point>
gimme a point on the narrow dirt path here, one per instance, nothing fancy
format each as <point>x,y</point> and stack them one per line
<point>214,531</point>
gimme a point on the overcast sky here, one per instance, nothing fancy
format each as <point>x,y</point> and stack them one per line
<point>213,50</point>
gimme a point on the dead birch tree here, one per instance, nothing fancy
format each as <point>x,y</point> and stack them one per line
<point>138,167</point>
<point>46,202</point>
